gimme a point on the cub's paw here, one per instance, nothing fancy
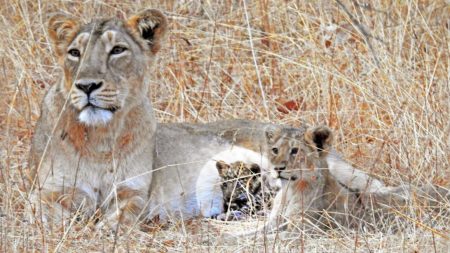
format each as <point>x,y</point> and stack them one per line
<point>231,216</point>
<point>211,211</point>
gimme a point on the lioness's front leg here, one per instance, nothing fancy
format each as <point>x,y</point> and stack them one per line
<point>62,206</point>
<point>125,208</point>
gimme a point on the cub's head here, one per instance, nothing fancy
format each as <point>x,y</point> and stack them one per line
<point>105,61</point>
<point>241,183</point>
<point>316,143</point>
<point>283,144</point>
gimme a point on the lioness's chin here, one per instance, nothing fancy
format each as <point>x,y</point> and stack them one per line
<point>94,116</point>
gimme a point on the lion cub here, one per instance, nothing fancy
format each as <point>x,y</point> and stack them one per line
<point>241,186</point>
<point>214,191</point>
<point>313,191</point>
<point>319,199</point>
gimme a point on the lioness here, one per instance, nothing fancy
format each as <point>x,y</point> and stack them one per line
<point>94,143</point>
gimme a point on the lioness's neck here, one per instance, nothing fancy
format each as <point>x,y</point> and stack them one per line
<point>128,127</point>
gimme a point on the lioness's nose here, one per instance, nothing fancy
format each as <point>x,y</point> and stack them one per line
<point>88,86</point>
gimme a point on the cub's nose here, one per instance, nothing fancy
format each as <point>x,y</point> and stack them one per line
<point>279,169</point>
<point>88,86</point>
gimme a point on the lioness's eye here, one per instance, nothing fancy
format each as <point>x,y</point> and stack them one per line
<point>275,151</point>
<point>117,50</point>
<point>294,151</point>
<point>74,52</point>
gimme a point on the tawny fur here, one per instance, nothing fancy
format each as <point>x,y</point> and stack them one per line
<point>93,163</point>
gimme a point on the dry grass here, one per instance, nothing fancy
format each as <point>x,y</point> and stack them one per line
<point>377,73</point>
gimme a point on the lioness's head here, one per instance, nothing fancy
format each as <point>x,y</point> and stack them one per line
<point>105,61</point>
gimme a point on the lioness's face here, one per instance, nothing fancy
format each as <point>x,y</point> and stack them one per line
<point>105,61</point>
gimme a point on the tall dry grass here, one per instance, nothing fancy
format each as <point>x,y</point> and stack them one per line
<point>376,71</point>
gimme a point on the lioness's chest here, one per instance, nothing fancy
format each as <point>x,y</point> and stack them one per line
<point>72,159</point>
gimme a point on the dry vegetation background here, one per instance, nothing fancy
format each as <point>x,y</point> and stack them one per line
<point>377,72</point>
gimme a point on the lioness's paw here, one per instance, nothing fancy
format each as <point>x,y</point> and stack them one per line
<point>116,222</point>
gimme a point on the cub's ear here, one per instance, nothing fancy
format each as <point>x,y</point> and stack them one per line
<point>222,167</point>
<point>271,131</point>
<point>255,169</point>
<point>62,29</point>
<point>151,26</point>
<point>319,138</point>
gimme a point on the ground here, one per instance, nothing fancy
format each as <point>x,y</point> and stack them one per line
<point>377,72</point>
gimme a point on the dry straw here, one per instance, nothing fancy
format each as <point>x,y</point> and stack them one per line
<point>377,72</point>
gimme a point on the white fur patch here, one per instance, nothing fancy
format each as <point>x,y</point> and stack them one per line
<point>235,154</point>
<point>109,39</point>
<point>95,116</point>
<point>351,177</point>
<point>89,191</point>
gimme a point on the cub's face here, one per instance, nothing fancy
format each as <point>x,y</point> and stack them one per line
<point>294,151</point>
<point>105,61</point>
<point>315,143</point>
<point>241,185</point>
<point>283,145</point>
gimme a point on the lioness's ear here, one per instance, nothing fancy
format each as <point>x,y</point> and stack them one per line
<point>150,25</point>
<point>61,29</point>
<point>320,138</point>
<point>222,167</point>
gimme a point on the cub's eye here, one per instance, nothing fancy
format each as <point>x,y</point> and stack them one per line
<point>74,52</point>
<point>294,151</point>
<point>275,151</point>
<point>118,50</point>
